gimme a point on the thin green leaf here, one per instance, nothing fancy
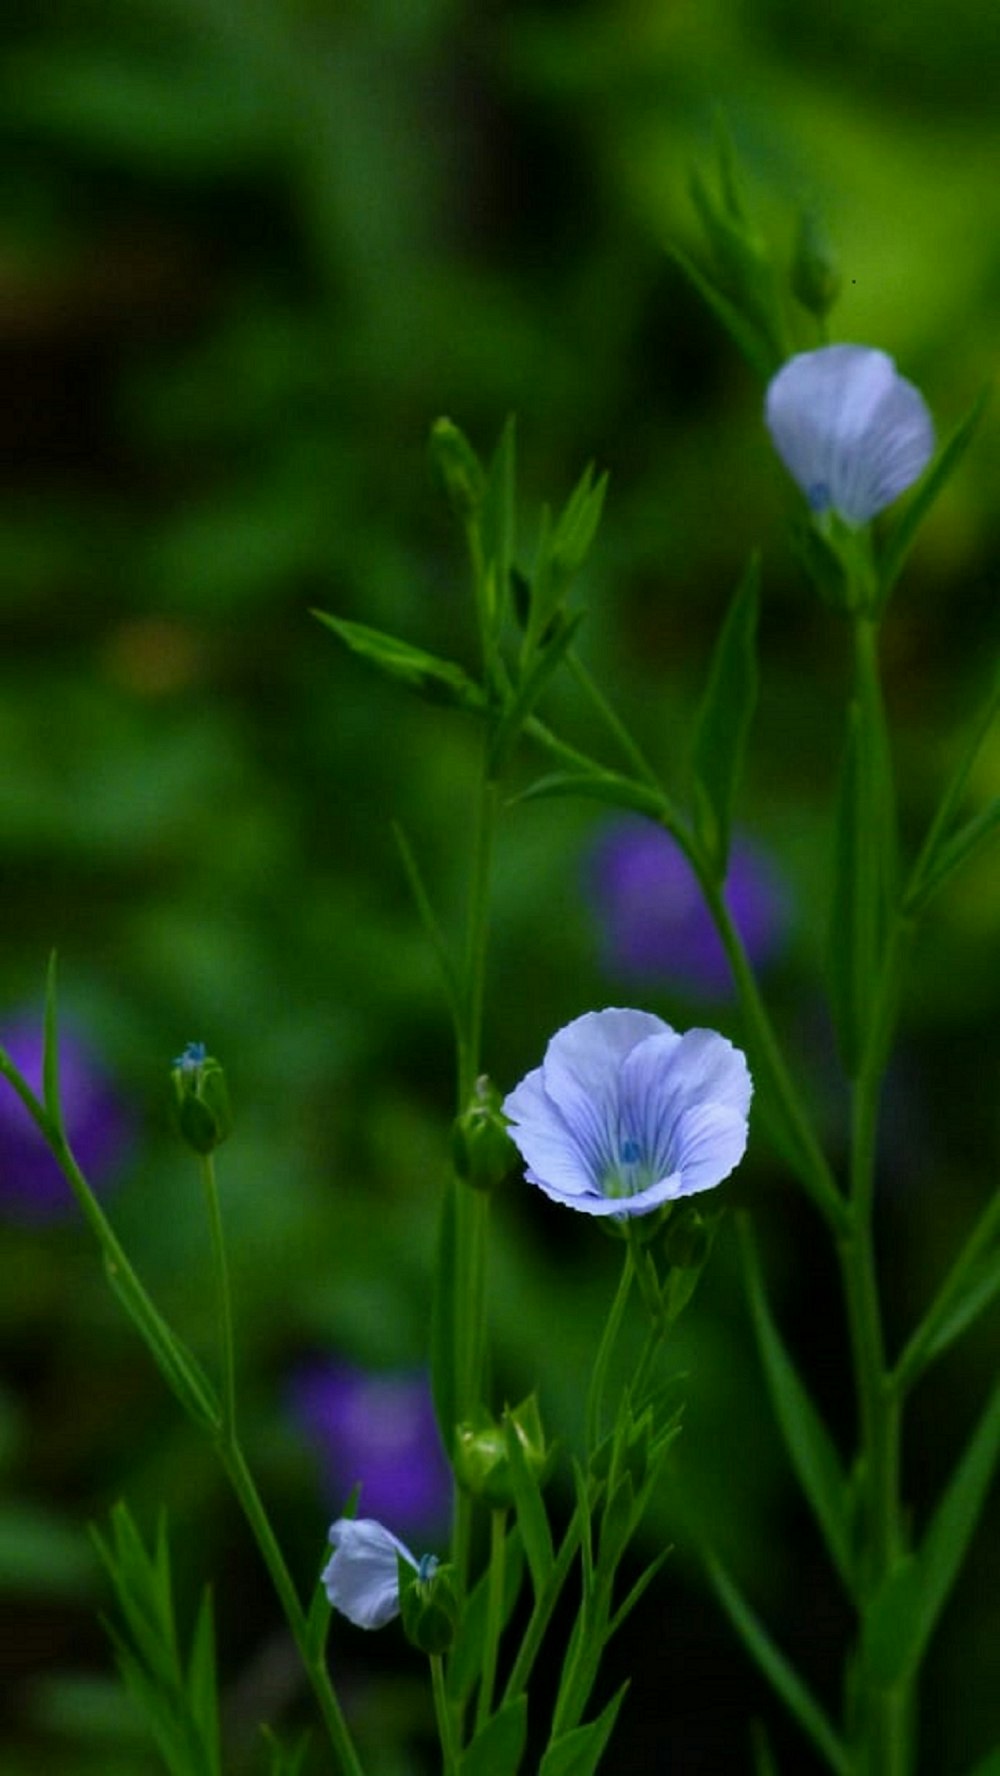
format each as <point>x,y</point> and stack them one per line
<point>798,1699</point>
<point>579,1752</point>
<point>499,1748</point>
<point>544,664</point>
<point>444,1349</point>
<point>990,1765</point>
<point>980,1294</point>
<point>641,1585</point>
<point>318,1619</point>
<point>809,1444</point>
<point>724,718</point>
<point>432,928</point>
<point>285,1761</point>
<point>957,851</point>
<point>466,1658</point>
<point>901,540</point>
<point>605,786</point>
<point>905,1611</point>
<point>745,334</point>
<point>498,511</point>
<point>941,825</point>
<point>439,681</point>
<point>764,1761</point>
<point>532,1517</point>
<point>50,1060</point>
<point>203,1688</point>
<point>585,1520</point>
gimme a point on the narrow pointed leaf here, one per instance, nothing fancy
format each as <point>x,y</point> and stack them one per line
<point>203,1688</point>
<point>724,719</point>
<point>745,334</point>
<point>905,1611</point>
<point>941,832</point>
<point>579,1752</point>
<point>902,538</point>
<point>951,855</point>
<point>466,1658</point>
<point>990,1765</point>
<point>498,511</point>
<point>544,665</point>
<point>432,929</point>
<point>981,1292</point>
<point>318,1619</point>
<point>641,1585</point>
<point>439,681</point>
<point>532,1518</point>
<point>809,1444</point>
<point>798,1699</point>
<point>605,786</point>
<point>499,1748</point>
<point>764,1761</point>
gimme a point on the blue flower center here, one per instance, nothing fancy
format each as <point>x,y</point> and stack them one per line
<point>818,496</point>
<point>629,1172</point>
<point>427,1565</point>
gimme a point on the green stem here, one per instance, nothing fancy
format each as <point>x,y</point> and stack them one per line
<point>811,1164</point>
<point>242,1482</point>
<point>494,1616</point>
<point>595,1391</point>
<point>443,1713</point>
<point>223,1298</point>
<point>541,1613</point>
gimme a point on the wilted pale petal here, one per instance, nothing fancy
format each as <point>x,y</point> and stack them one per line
<point>851,431</point>
<point>362,1579</point>
<point>625,1114</point>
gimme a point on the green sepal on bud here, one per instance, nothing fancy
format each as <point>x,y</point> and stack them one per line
<point>204,1116</point>
<point>815,273</point>
<point>457,468</point>
<point>687,1243</point>
<point>428,1604</point>
<point>482,1464</point>
<point>481,1149</point>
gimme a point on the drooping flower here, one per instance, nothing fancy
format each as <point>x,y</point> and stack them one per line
<point>653,921</point>
<point>849,429</point>
<point>376,1431</point>
<point>32,1188</point>
<point>625,1114</point>
<point>362,1578</point>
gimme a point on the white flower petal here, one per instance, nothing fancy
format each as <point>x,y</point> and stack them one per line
<point>851,431</point>
<point>362,1578</point>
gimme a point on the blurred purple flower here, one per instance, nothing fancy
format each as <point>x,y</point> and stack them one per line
<point>32,1188</point>
<point>379,1432</point>
<point>653,920</point>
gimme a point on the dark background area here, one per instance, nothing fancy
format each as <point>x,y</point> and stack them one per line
<point>247,254</point>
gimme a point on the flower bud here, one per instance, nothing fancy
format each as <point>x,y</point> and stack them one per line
<point>457,468</point>
<point>481,1457</point>
<point>203,1113</point>
<point>481,1149</point>
<point>815,273</point>
<point>429,1604</point>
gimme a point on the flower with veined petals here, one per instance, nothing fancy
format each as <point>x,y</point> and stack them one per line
<point>625,1114</point>
<point>849,429</point>
<point>362,1578</point>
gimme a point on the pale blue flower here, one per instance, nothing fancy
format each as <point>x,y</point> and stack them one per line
<point>625,1114</point>
<point>362,1579</point>
<point>850,430</point>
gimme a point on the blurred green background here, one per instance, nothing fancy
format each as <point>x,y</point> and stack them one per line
<point>247,253</point>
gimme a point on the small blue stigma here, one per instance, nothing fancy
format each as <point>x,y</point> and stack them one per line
<point>629,1151</point>
<point>426,1566</point>
<point>193,1057</point>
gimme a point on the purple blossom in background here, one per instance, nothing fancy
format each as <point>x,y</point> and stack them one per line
<point>849,429</point>
<point>379,1432</point>
<point>625,1114</point>
<point>653,920</point>
<point>98,1127</point>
